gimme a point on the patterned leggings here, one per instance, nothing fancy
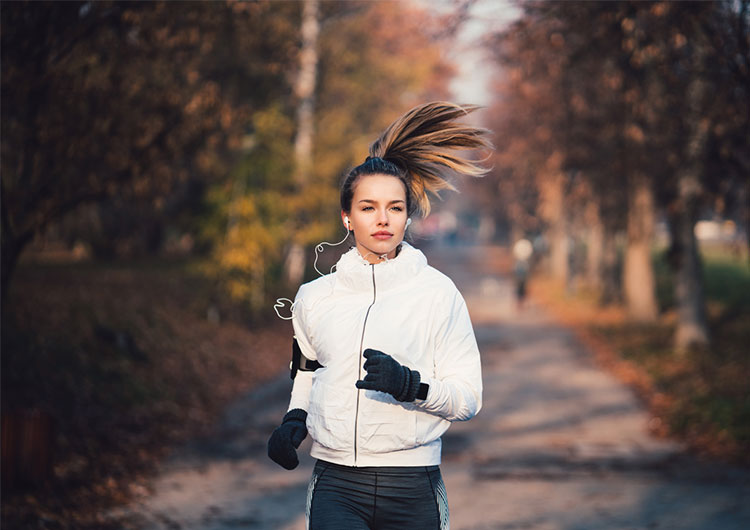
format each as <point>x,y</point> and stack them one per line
<point>376,498</point>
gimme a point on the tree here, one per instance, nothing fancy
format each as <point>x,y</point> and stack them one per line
<point>688,71</point>
<point>118,103</point>
<point>304,89</point>
<point>524,118</point>
<point>374,60</point>
<point>634,84</point>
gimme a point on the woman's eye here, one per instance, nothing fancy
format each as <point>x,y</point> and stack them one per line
<point>397,208</point>
<point>367,208</point>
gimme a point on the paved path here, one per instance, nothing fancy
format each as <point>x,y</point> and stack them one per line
<point>559,445</point>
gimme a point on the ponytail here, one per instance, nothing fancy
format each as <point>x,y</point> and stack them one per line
<point>418,147</point>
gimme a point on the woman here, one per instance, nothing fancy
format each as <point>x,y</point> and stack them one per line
<point>386,350</point>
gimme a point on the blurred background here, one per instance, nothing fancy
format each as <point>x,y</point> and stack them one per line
<point>168,168</point>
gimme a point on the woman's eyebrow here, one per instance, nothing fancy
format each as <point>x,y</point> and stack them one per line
<point>372,201</point>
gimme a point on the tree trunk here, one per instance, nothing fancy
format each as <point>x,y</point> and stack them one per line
<point>294,265</point>
<point>553,210</point>
<point>9,261</point>
<point>559,253</point>
<point>692,326</point>
<point>11,250</point>
<point>594,246</point>
<point>258,284</point>
<point>610,267</point>
<point>304,89</point>
<point>638,272</point>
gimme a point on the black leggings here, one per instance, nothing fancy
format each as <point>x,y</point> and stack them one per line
<point>375,498</point>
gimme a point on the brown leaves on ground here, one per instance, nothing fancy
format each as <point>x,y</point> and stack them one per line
<point>127,361</point>
<point>699,396</point>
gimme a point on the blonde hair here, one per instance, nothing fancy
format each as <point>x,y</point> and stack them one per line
<point>418,148</point>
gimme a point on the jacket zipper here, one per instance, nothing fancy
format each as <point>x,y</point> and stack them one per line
<point>361,345</point>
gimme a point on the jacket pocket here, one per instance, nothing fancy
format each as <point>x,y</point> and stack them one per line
<point>430,427</point>
<point>384,427</point>
<point>330,419</point>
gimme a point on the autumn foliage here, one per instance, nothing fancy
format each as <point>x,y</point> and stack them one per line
<point>611,116</point>
<point>152,145</point>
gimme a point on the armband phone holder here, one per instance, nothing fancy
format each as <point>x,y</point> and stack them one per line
<point>300,362</point>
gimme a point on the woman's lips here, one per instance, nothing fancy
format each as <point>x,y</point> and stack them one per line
<point>382,235</point>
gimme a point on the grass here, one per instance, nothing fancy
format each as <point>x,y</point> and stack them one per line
<point>728,283</point>
<point>700,396</point>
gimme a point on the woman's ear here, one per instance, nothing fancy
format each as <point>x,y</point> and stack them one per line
<point>345,219</point>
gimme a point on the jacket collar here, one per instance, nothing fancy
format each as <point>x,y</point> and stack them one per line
<point>354,272</point>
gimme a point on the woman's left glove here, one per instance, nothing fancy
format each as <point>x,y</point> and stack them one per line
<point>283,443</point>
<point>385,374</point>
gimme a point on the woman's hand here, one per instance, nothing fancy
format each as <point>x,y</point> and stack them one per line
<point>286,439</point>
<point>385,374</point>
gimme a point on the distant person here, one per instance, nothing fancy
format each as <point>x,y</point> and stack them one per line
<point>386,352</point>
<point>522,251</point>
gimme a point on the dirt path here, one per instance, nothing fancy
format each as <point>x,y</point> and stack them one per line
<point>558,445</point>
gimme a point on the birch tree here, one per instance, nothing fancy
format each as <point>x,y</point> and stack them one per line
<point>304,91</point>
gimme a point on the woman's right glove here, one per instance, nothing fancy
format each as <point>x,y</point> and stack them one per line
<point>385,374</point>
<point>283,443</point>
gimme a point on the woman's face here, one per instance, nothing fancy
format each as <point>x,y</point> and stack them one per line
<point>378,216</point>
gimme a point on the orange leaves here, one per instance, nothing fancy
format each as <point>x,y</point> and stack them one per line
<point>557,40</point>
<point>659,9</point>
<point>627,24</point>
<point>206,97</point>
<point>679,40</point>
<point>612,80</point>
<point>634,133</point>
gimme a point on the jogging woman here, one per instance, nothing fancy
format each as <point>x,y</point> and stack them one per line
<point>386,352</point>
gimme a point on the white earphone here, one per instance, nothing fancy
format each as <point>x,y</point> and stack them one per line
<point>408,221</point>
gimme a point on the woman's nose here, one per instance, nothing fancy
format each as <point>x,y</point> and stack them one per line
<point>383,217</point>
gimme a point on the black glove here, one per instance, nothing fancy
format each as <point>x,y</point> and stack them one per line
<point>286,438</point>
<point>385,374</point>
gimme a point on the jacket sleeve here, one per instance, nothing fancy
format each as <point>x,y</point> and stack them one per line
<point>300,398</point>
<point>455,391</point>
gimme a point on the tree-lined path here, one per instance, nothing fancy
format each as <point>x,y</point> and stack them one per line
<point>558,445</point>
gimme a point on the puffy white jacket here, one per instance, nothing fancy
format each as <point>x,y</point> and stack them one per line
<point>409,310</point>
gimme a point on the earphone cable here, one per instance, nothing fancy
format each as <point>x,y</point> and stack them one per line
<point>319,248</point>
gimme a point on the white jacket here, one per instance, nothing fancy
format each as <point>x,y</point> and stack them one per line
<point>404,308</point>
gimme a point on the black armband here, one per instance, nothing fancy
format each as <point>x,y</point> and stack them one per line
<point>300,362</point>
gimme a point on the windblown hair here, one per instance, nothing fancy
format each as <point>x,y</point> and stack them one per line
<point>418,148</point>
